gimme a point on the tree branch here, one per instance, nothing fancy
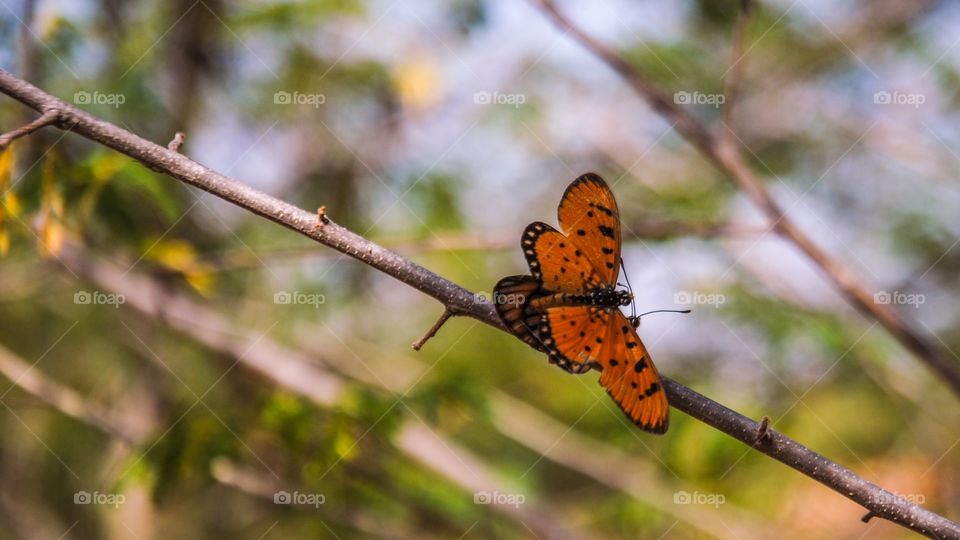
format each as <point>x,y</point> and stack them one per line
<point>729,160</point>
<point>776,445</point>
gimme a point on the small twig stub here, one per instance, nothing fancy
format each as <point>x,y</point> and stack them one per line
<point>47,118</point>
<point>177,141</point>
<point>447,313</point>
<point>762,429</point>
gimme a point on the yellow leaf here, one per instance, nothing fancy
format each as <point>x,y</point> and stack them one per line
<point>51,236</point>
<point>4,240</point>
<point>418,83</point>
<point>107,166</point>
<point>6,167</point>
<point>176,254</point>
<point>344,445</point>
<point>201,280</point>
<point>182,257</point>
<point>11,203</point>
<point>51,211</point>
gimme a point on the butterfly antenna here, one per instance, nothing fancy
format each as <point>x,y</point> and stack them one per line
<point>665,311</point>
<point>633,305</point>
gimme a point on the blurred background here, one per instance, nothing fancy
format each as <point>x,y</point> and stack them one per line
<point>174,367</point>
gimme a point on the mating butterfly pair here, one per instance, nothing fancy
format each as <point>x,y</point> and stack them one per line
<point>569,308</point>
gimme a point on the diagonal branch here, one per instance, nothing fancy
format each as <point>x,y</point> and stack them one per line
<point>728,158</point>
<point>875,499</point>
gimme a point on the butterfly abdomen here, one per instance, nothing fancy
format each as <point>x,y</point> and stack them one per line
<point>601,297</point>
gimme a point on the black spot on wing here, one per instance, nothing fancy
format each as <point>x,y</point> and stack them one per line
<point>641,365</point>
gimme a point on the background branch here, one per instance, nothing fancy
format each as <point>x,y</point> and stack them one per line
<point>881,502</point>
<point>729,160</point>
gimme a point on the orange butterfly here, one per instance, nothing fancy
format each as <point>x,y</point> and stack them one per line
<point>570,307</point>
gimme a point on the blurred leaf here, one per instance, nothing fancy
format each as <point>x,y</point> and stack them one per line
<point>418,84</point>
<point>11,206</point>
<point>283,16</point>
<point>52,228</point>
<point>182,257</point>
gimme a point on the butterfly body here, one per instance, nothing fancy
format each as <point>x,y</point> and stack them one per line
<point>569,306</point>
<point>603,297</point>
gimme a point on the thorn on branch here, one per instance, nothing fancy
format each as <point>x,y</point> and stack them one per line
<point>762,429</point>
<point>47,118</point>
<point>868,516</point>
<point>447,313</point>
<point>177,141</point>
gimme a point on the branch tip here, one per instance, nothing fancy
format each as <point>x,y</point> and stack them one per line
<point>177,141</point>
<point>447,313</point>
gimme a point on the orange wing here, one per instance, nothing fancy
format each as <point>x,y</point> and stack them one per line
<point>510,297</point>
<point>583,336</point>
<point>589,217</point>
<point>570,334</point>
<point>557,262</point>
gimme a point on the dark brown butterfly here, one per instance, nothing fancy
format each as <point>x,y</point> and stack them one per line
<point>569,308</point>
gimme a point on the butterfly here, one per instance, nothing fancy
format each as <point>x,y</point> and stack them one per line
<point>569,307</point>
